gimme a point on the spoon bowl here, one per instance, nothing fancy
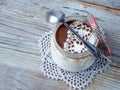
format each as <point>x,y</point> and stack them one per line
<point>55,16</point>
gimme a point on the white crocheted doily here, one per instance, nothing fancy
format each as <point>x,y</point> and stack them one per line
<point>76,80</point>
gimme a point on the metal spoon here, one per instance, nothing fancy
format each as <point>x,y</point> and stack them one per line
<point>58,16</point>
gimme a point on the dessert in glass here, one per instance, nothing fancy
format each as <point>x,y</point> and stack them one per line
<point>68,52</point>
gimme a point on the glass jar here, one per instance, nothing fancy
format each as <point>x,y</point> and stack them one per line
<point>71,61</point>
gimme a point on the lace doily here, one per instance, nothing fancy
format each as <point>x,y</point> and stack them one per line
<point>76,80</point>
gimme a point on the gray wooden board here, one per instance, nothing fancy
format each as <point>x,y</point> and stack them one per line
<point>22,22</point>
<point>108,3</point>
<point>19,78</point>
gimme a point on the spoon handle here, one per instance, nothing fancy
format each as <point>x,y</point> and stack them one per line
<point>95,51</point>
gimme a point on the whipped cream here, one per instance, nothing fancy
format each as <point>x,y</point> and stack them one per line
<point>72,43</point>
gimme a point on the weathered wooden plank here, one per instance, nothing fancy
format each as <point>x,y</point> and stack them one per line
<point>108,3</point>
<point>19,78</point>
<point>19,59</point>
<point>17,27</point>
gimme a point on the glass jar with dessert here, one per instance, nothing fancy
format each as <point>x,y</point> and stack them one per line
<point>68,52</point>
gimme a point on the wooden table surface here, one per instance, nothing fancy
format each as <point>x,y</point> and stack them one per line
<point>22,22</point>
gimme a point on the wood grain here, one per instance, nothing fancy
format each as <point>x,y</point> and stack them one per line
<point>18,78</point>
<point>108,3</point>
<point>22,22</point>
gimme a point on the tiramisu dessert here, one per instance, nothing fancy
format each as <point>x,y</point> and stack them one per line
<point>69,42</point>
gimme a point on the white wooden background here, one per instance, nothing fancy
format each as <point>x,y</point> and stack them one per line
<point>22,22</point>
